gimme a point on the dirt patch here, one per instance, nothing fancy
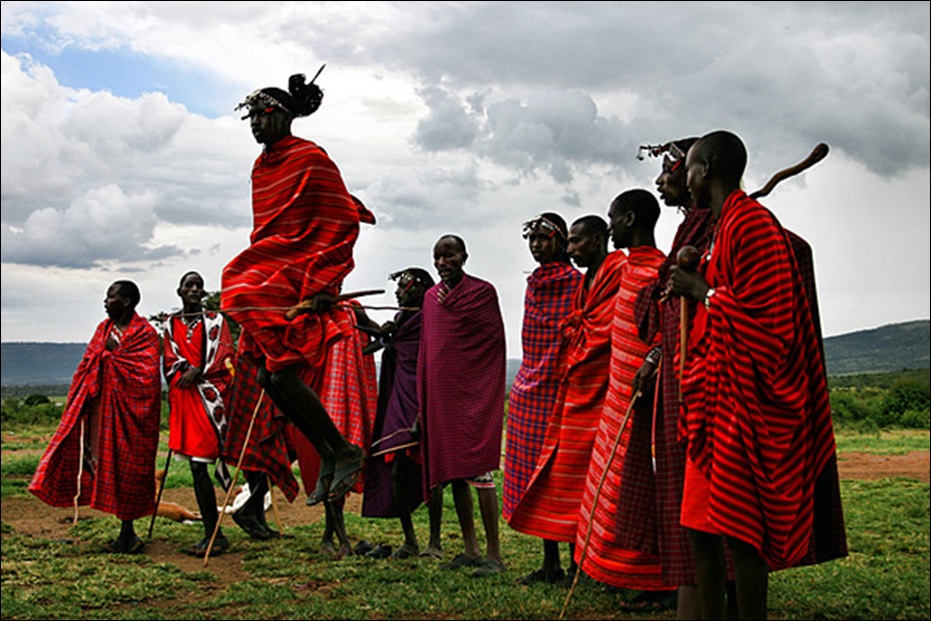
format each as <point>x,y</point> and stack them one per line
<point>869,467</point>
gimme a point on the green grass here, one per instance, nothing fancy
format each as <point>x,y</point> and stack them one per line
<point>884,577</point>
<point>891,442</point>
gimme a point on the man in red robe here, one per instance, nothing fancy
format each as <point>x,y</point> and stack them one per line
<point>624,429</point>
<point>460,384</point>
<point>550,507</point>
<point>305,225</point>
<point>198,356</point>
<point>103,452</point>
<point>548,299</point>
<point>756,418</point>
<point>645,490</point>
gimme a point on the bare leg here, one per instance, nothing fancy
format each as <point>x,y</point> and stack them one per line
<point>488,507</point>
<point>401,481</point>
<point>206,496</point>
<point>251,517</point>
<point>752,580</point>
<point>302,406</point>
<point>435,507</point>
<point>462,497</point>
<point>687,602</point>
<point>711,568</point>
<point>551,562</point>
<point>336,525</point>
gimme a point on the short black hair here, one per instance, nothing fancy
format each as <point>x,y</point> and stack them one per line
<point>129,290</point>
<point>459,241</point>
<point>642,203</point>
<point>726,155</point>
<point>593,225</point>
<point>189,273</point>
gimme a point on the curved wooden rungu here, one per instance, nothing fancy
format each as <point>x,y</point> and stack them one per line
<point>817,154</point>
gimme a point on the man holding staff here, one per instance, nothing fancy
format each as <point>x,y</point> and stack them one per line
<point>757,421</point>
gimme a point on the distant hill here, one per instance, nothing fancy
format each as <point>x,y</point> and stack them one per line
<point>889,348</point>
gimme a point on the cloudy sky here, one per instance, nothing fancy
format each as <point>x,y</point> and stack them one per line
<point>123,157</point>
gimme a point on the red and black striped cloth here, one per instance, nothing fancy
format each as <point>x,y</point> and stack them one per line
<point>757,417</point>
<point>549,297</point>
<point>644,493</point>
<point>122,390</point>
<point>620,438</point>
<point>305,224</point>
<point>550,507</point>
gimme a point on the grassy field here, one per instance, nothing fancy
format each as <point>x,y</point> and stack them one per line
<point>886,575</point>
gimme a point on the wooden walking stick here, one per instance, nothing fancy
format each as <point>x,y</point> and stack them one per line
<point>158,496</point>
<point>77,495</point>
<point>604,475</point>
<point>271,493</point>
<point>229,492</point>
<point>688,259</point>
<point>817,154</point>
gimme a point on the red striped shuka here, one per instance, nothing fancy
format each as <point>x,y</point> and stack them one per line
<point>549,297</point>
<point>305,225</point>
<point>620,437</point>
<point>647,491</point>
<point>349,393</point>
<point>115,402</point>
<point>550,507</point>
<point>757,418</point>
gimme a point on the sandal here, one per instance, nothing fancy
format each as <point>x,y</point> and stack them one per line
<point>542,575</point>
<point>381,551</point>
<point>405,551</point>
<point>489,567</point>
<point>462,560</point>
<point>199,549</point>
<point>650,601</point>
<point>252,526</point>
<point>324,480</point>
<point>346,475</point>
<point>119,547</point>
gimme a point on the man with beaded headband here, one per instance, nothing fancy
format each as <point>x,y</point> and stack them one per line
<point>305,225</point>
<point>548,299</point>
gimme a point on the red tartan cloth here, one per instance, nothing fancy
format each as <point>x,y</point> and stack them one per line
<point>550,507</point>
<point>549,297</point>
<point>197,419</point>
<point>460,382</point>
<point>124,386</point>
<point>269,449</point>
<point>305,224</point>
<point>757,418</point>
<point>643,493</point>
<point>630,567</point>
<point>349,393</point>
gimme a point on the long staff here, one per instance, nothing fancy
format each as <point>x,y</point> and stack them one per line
<point>161,488</point>
<point>817,154</point>
<point>229,491</point>
<point>271,493</point>
<point>591,519</point>
<point>77,494</point>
